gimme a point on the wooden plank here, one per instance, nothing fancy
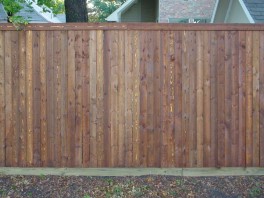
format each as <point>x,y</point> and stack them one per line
<point>36,99</point>
<point>78,99</point>
<point>22,99</point>
<point>136,97</point>
<point>207,99</point>
<point>228,97</point>
<point>50,99</point>
<point>129,95</point>
<point>114,98</point>
<point>121,102</point>
<point>2,99</point>
<point>64,97</point>
<point>86,100</point>
<point>221,98</point>
<point>139,26</point>
<point>213,99</point>
<point>242,99</point>
<point>100,99</point>
<point>170,100</point>
<point>43,99</point>
<point>186,100</point>
<point>249,99</point>
<point>193,98</point>
<point>107,96</point>
<point>255,100</point>
<point>261,94</point>
<point>157,95</point>
<point>15,97</point>
<point>200,98</point>
<point>71,99</point>
<point>235,100</point>
<point>178,99</point>
<point>57,98</point>
<point>150,100</point>
<point>29,96</point>
<point>164,105</point>
<point>8,99</point>
<point>93,107</point>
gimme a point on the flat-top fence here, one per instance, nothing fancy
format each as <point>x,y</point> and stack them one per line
<point>132,95</point>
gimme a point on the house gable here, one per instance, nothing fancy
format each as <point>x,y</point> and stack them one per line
<point>256,9</point>
<point>3,15</point>
<point>190,9</point>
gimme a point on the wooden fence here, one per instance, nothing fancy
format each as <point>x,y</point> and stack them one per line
<point>132,95</point>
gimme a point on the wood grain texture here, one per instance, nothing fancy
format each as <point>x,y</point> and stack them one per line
<point>131,96</point>
<point>2,99</point>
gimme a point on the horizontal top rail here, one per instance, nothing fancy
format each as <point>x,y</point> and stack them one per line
<point>134,26</point>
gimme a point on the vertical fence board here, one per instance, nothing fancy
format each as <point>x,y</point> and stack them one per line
<point>206,99</point>
<point>156,99</point>
<point>249,97</point>
<point>43,95</point>
<point>121,101</point>
<point>2,99</point>
<point>78,98</point>
<point>192,55</point>
<point>57,98</point>
<point>71,99</point>
<point>50,98</point>
<point>100,99</point>
<point>150,101</point>
<point>29,91</point>
<point>93,111</point>
<point>235,100</point>
<point>261,94</point>
<point>178,100</point>
<point>86,100</point>
<point>15,98</point>
<point>22,99</point>
<point>242,98</point>
<point>136,97</point>
<point>63,103</point>
<point>200,98</point>
<point>255,99</point>
<point>228,97</point>
<point>36,99</point>
<point>8,98</point>
<point>213,98</point>
<point>221,98</point>
<point>164,94</point>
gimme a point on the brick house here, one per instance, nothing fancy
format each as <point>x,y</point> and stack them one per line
<point>164,11</point>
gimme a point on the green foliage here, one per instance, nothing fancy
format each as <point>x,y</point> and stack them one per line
<point>57,6</point>
<point>101,9</point>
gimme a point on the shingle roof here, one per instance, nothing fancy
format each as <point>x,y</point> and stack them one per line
<point>256,9</point>
<point>3,15</point>
<point>31,15</point>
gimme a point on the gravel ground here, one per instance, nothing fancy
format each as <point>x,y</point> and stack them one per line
<point>144,186</point>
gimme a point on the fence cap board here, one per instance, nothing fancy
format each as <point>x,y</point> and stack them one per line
<point>133,26</point>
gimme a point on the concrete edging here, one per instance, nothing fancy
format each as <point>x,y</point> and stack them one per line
<point>190,172</point>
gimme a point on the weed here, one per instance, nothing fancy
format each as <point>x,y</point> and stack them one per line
<point>109,181</point>
<point>173,193</point>
<point>179,182</point>
<point>42,176</point>
<point>117,191</point>
<point>86,196</point>
<point>3,193</point>
<point>255,191</point>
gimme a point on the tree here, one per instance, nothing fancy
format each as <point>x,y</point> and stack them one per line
<point>101,9</point>
<point>75,10</point>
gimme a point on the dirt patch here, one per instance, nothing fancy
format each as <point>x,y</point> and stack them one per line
<point>143,186</point>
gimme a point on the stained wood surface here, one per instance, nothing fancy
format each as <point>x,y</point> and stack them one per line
<point>125,95</point>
